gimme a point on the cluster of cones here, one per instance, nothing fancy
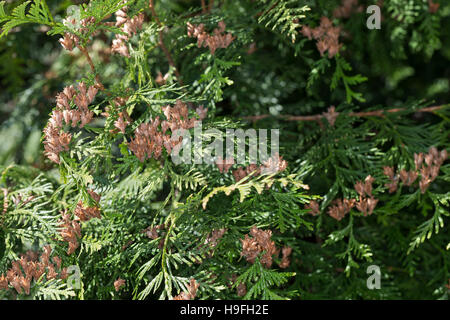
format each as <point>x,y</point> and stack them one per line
<point>55,139</point>
<point>427,165</point>
<point>219,39</point>
<point>273,165</point>
<point>347,8</point>
<point>71,229</point>
<point>366,205</point>
<point>151,138</point>
<point>32,267</point>
<point>192,288</point>
<point>129,26</point>
<point>71,40</point>
<point>341,207</point>
<point>118,284</point>
<point>326,35</point>
<point>261,242</point>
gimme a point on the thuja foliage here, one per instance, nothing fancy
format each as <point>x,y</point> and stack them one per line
<point>94,207</point>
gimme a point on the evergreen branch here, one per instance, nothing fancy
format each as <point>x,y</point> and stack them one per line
<point>162,45</point>
<point>318,117</point>
<point>38,13</point>
<point>85,52</point>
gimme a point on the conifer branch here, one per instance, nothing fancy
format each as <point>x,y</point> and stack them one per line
<point>203,6</point>
<point>163,46</point>
<point>318,117</point>
<point>143,225</point>
<point>85,52</point>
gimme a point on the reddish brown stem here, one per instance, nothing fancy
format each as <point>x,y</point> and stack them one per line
<point>203,6</point>
<point>155,16</point>
<point>169,57</point>
<point>317,117</point>
<point>163,46</point>
<point>99,85</point>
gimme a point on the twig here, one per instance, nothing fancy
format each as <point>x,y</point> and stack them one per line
<point>5,205</point>
<point>203,6</point>
<point>317,117</point>
<point>169,57</point>
<point>99,85</point>
<point>163,46</point>
<point>210,5</point>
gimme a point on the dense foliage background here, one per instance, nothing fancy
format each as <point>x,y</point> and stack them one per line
<point>363,119</point>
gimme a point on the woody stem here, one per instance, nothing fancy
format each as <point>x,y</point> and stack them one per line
<point>203,6</point>
<point>317,117</point>
<point>91,64</point>
<point>163,46</point>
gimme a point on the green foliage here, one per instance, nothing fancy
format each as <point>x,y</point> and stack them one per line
<point>339,74</point>
<point>38,13</point>
<point>260,280</point>
<point>283,16</point>
<point>390,90</point>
